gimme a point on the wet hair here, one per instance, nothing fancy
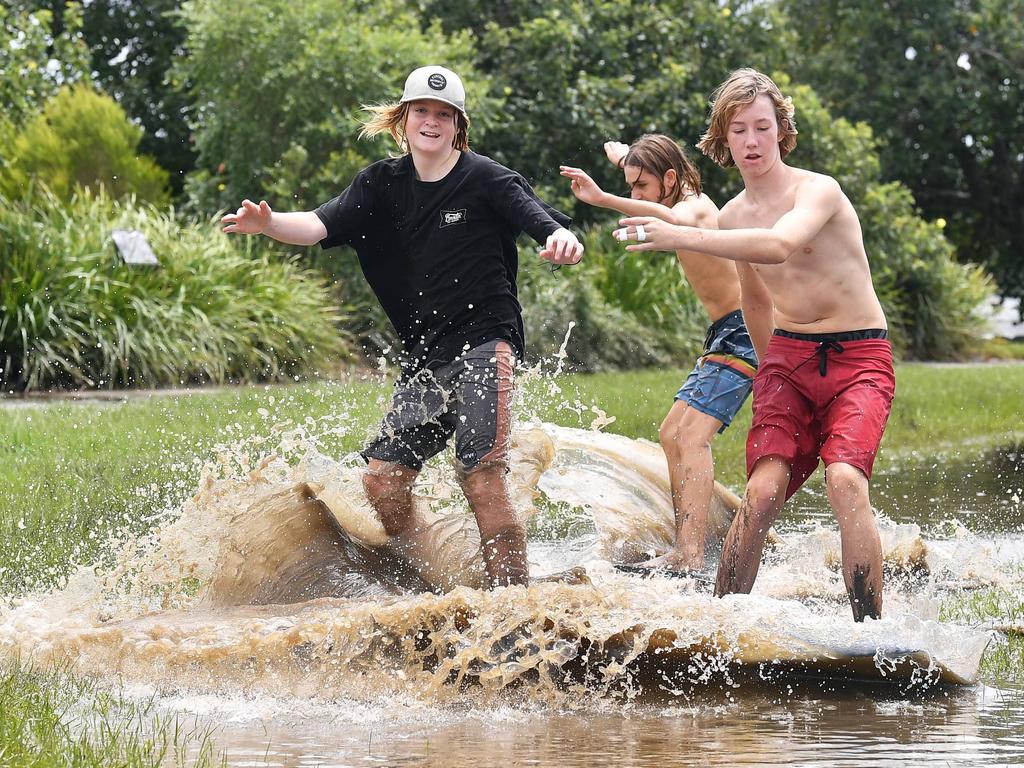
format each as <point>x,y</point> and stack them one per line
<point>390,118</point>
<point>739,90</point>
<point>657,154</point>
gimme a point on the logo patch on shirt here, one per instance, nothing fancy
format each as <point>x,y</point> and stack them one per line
<point>448,218</point>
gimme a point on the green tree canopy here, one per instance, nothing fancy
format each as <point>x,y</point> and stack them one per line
<point>282,120</point>
<point>38,54</point>
<point>133,45</point>
<point>575,73</point>
<point>942,84</point>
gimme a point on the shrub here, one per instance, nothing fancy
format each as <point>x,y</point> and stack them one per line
<point>630,310</point>
<point>81,139</point>
<point>217,310</point>
<point>930,299</point>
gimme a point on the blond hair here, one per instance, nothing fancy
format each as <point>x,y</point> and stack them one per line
<point>738,91</point>
<point>657,153</point>
<point>391,118</point>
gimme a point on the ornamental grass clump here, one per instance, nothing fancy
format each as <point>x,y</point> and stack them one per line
<point>628,310</point>
<point>216,310</point>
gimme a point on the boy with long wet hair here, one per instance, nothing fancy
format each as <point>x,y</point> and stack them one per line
<point>435,232</point>
<point>664,182</point>
<point>825,383</point>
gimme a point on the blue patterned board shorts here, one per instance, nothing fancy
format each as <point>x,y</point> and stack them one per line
<point>721,380</point>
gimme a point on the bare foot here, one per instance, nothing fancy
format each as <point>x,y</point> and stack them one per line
<point>672,561</point>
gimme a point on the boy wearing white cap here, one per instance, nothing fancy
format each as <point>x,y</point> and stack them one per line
<point>435,232</point>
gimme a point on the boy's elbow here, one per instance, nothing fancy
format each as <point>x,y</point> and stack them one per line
<point>777,251</point>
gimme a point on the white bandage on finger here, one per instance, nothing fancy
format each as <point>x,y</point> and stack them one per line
<point>641,233</point>
<point>621,234</point>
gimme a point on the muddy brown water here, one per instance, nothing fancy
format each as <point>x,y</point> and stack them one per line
<point>271,608</point>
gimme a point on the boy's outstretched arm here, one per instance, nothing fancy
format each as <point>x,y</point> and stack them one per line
<point>815,204</point>
<point>586,190</point>
<point>299,228</point>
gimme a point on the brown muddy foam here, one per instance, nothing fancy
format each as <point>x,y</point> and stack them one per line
<point>277,577</point>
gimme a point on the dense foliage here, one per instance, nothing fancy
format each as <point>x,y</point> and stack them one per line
<point>942,85</point>
<point>214,311</point>
<point>906,105</point>
<point>81,139</point>
<point>37,56</point>
<point>282,121</point>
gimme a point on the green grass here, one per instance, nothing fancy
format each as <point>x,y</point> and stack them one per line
<point>1004,660</point>
<point>53,719</point>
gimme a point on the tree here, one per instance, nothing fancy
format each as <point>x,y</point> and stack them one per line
<point>574,73</point>
<point>133,46</point>
<point>942,85</point>
<point>282,122</point>
<point>38,54</point>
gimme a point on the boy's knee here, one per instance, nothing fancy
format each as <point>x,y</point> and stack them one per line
<point>487,477</point>
<point>668,434</point>
<point>764,493</point>
<point>388,482</point>
<point>845,478</point>
<point>762,501</point>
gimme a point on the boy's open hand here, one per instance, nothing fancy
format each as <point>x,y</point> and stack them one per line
<point>616,152</point>
<point>584,187</point>
<point>250,219</point>
<point>562,247</point>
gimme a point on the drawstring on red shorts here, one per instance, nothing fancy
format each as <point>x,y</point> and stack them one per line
<point>822,353</point>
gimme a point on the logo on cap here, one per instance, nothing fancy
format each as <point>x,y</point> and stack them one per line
<point>437,81</point>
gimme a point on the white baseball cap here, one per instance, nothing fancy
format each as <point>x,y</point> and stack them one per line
<point>435,83</point>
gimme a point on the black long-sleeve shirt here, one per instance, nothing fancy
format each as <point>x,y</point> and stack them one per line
<point>441,256</point>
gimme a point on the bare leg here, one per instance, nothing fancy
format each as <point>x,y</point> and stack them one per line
<point>388,487</point>
<point>862,548</point>
<point>686,436</point>
<point>762,502</point>
<point>501,534</point>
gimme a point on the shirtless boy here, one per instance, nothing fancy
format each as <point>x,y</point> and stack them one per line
<point>663,182</point>
<point>825,383</point>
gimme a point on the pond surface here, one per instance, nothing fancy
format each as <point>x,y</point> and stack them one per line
<point>982,488</point>
<point>978,726</point>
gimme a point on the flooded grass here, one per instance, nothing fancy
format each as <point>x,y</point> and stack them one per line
<point>1003,610</point>
<point>55,719</point>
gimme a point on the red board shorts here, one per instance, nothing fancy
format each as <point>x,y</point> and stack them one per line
<point>823,396</point>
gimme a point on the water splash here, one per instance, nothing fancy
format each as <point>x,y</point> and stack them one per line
<point>277,578</point>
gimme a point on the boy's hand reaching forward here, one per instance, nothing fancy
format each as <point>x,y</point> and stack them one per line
<point>250,219</point>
